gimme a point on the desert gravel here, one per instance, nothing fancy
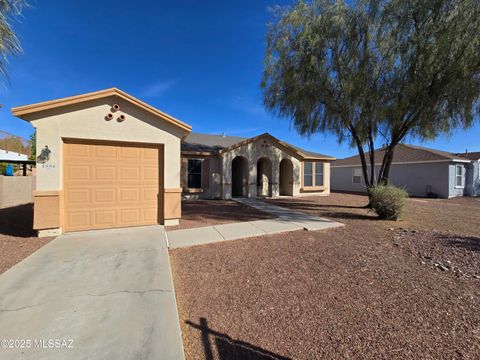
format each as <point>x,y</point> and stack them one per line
<point>350,292</point>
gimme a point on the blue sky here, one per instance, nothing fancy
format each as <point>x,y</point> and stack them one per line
<point>200,61</point>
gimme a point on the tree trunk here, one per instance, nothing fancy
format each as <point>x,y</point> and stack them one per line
<point>386,172</point>
<point>371,147</point>
<point>386,165</point>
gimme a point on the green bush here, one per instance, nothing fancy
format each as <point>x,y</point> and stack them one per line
<point>388,201</point>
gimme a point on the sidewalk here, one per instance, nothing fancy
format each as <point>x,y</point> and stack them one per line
<point>287,220</point>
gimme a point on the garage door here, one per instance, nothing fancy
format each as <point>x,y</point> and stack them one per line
<point>109,185</point>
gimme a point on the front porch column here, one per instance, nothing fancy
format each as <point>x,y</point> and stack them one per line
<point>252,178</point>
<point>275,178</point>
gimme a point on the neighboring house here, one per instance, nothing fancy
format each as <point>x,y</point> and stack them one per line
<point>219,166</point>
<point>106,159</point>
<point>6,155</point>
<point>421,171</point>
<point>472,182</point>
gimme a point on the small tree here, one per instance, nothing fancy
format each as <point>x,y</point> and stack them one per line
<point>33,146</point>
<point>390,68</point>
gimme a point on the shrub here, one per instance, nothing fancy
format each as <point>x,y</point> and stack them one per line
<point>388,201</point>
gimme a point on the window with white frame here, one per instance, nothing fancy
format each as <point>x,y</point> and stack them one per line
<point>318,174</point>
<point>313,174</point>
<point>357,176</point>
<point>194,174</point>
<point>459,176</point>
<point>308,173</point>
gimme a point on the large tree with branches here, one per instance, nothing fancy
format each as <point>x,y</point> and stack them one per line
<point>375,69</point>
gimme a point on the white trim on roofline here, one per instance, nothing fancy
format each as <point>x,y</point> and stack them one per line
<point>408,162</point>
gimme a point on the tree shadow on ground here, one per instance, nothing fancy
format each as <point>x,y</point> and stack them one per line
<point>469,243</point>
<point>312,206</point>
<point>17,221</point>
<point>228,348</point>
<point>220,210</point>
<point>343,215</point>
<point>334,211</point>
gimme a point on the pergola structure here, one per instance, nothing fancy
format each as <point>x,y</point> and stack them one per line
<point>24,164</point>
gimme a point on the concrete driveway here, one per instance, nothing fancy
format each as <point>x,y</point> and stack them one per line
<point>93,295</point>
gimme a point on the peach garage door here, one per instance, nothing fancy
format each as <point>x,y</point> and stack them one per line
<point>110,185</point>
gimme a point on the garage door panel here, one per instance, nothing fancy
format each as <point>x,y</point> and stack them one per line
<point>113,185</point>
<point>105,152</point>
<point>150,174</point>
<point>131,153</point>
<point>76,220</point>
<point>78,151</point>
<point>151,214</point>
<point>129,173</point>
<point>149,154</point>
<point>78,173</point>
<point>130,194</point>
<point>150,194</point>
<point>105,173</point>
<point>77,196</point>
<point>130,216</point>
<point>105,218</point>
<point>105,195</point>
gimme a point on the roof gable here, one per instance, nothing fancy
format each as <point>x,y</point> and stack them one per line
<point>23,112</point>
<point>302,154</point>
<point>208,143</point>
<point>475,155</point>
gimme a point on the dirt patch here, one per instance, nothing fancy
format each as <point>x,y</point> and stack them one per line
<point>443,251</point>
<point>349,292</point>
<point>198,213</point>
<point>17,238</point>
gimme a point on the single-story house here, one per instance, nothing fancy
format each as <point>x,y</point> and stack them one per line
<point>421,171</point>
<point>219,166</point>
<point>106,159</point>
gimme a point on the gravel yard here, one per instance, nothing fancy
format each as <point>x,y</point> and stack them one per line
<point>368,290</point>
<point>198,213</point>
<point>17,239</point>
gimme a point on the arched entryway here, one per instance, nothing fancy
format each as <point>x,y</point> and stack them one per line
<point>239,177</point>
<point>264,177</point>
<point>286,177</point>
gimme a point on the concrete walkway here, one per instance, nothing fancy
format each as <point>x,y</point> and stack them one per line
<point>110,291</point>
<point>286,220</point>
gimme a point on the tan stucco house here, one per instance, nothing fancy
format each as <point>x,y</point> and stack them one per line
<point>106,159</point>
<point>219,166</point>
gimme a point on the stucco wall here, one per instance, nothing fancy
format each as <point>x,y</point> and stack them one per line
<point>264,147</point>
<point>87,121</point>
<point>415,178</point>
<point>254,151</point>
<point>16,190</point>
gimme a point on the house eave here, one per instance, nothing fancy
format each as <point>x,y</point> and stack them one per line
<point>24,111</point>
<point>408,162</point>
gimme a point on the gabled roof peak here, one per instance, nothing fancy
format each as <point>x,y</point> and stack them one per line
<point>23,111</point>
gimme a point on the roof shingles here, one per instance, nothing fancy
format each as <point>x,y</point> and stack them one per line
<point>197,142</point>
<point>405,153</point>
